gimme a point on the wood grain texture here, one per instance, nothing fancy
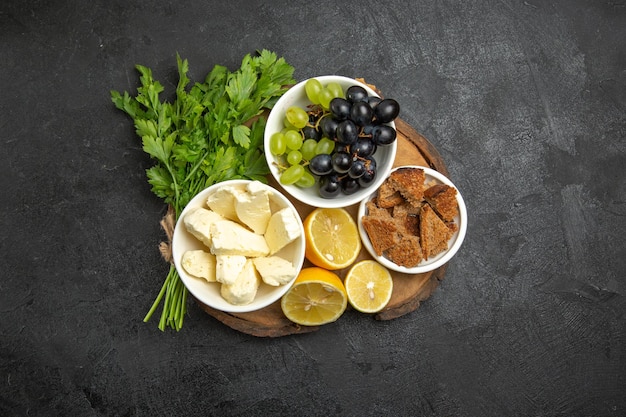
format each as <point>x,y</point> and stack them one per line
<point>409,289</point>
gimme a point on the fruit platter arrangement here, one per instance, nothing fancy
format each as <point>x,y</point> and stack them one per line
<point>290,203</point>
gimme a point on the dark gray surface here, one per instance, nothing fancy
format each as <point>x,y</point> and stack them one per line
<point>526,102</point>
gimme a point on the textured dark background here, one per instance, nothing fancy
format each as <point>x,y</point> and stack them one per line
<point>526,102</point>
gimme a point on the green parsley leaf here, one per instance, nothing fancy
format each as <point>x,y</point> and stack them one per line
<point>241,136</point>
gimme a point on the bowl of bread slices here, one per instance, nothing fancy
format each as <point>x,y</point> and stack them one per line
<point>415,222</point>
<point>238,245</point>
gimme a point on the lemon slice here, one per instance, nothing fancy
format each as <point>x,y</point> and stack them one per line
<point>332,238</point>
<point>369,286</point>
<point>317,297</point>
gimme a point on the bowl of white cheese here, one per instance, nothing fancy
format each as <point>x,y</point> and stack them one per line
<point>238,245</point>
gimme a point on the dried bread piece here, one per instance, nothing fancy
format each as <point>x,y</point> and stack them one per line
<point>388,196</point>
<point>410,183</point>
<point>406,209</point>
<point>374,210</point>
<point>407,252</point>
<point>434,233</point>
<point>442,198</point>
<point>407,217</point>
<point>382,231</point>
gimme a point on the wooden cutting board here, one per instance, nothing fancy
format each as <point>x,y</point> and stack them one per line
<point>409,290</point>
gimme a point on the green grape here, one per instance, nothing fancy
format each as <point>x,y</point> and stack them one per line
<point>325,145</point>
<point>335,89</point>
<point>293,139</point>
<point>307,180</point>
<point>292,174</point>
<point>325,96</point>
<point>313,88</point>
<point>277,144</point>
<point>294,157</point>
<point>288,126</point>
<point>297,117</point>
<point>308,149</point>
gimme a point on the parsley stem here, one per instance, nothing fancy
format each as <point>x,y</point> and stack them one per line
<point>157,301</point>
<point>172,316</point>
<point>196,166</point>
<point>176,190</point>
<point>163,319</point>
<point>183,308</point>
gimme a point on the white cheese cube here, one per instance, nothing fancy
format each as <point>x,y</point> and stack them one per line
<point>231,238</point>
<point>253,207</point>
<point>282,229</point>
<point>243,290</point>
<point>222,201</point>
<point>200,264</point>
<point>275,270</point>
<point>255,187</point>
<point>198,222</point>
<point>228,268</point>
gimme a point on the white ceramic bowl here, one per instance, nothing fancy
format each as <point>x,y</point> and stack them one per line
<point>296,96</point>
<point>209,292</point>
<point>432,263</point>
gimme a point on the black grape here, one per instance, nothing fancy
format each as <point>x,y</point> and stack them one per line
<point>347,132</point>
<point>363,147</point>
<point>383,135</point>
<point>321,164</point>
<point>356,93</point>
<point>329,127</point>
<point>342,161</point>
<point>330,186</point>
<point>340,108</point>
<point>310,132</point>
<point>367,178</point>
<point>357,169</point>
<point>349,185</point>
<point>361,113</point>
<point>387,110</point>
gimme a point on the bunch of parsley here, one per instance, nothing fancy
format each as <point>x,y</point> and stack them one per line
<point>210,133</point>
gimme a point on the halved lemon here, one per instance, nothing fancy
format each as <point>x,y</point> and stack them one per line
<point>369,286</point>
<point>317,297</point>
<point>332,238</point>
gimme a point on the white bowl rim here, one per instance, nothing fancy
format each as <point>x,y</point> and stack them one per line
<point>438,260</point>
<point>274,293</point>
<point>302,195</point>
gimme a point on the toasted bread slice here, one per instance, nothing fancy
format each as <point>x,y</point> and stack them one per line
<point>407,217</point>
<point>407,252</point>
<point>410,183</point>
<point>374,210</point>
<point>382,231</point>
<point>442,198</point>
<point>434,233</point>
<point>387,196</point>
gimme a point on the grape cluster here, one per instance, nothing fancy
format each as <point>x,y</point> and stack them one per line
<point>332,142</point>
